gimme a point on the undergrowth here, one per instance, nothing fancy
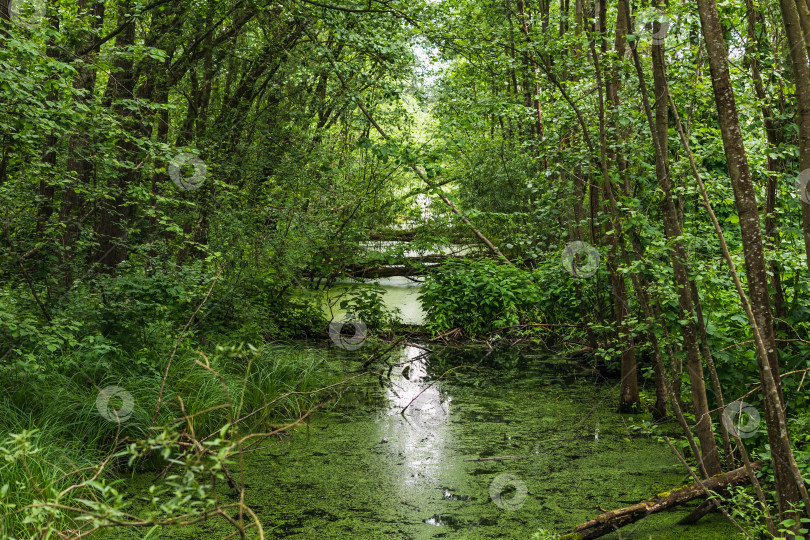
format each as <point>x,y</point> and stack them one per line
<point>54,434</point>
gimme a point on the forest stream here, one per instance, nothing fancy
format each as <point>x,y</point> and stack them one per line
<point>344,269</point>
<point>360,469</point>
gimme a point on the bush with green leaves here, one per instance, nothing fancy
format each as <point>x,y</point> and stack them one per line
<point>258,310</point>
<point>479,297</point>
<point>366,303</point>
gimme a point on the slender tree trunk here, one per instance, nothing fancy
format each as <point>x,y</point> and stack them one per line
<point>115,212</point>
<point>662,389</point>
<point>579,195</point>
<point>4,16</point>
<point>718,390</point>
<point>78,163</point>
<point>756,270</point>
<point>46,189</point>
<point>796,18</point>
<point>658,127</point>
<point>629,399</point>
<point>773,133</point>
<point>539,127</point>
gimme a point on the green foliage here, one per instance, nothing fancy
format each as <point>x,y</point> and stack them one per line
<point>479,297</point>
<point>744,507</point>
<point>109,267</point>
<point>256,310</point>
<point>51,426</point>
<point>366,303</point>
<point>787,530</point>
<point>544,534</point>
<point>104,258</point>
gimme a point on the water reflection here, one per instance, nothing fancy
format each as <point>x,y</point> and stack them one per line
<point>421,436</point>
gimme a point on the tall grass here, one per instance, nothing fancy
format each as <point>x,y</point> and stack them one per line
<point>52,434</point>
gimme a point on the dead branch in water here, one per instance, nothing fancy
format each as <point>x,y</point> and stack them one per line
<point>608,522</point>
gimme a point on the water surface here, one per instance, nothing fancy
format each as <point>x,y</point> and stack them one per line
<point>361,469</point>
<point>398,293</point>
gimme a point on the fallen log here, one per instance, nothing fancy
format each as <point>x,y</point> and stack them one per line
<point>406,266</point>
<point>389,271</point>
<point>413,260</point>
<point>401,236</point>
<point>610,521</point>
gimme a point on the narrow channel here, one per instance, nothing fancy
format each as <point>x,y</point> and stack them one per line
<point>361,469</point>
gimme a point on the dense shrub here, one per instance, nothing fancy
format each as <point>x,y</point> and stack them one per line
<point>479,296</point>
<point>259,310</point>
<point>366,303</point>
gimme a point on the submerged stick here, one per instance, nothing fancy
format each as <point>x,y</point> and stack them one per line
<point>499,458</point>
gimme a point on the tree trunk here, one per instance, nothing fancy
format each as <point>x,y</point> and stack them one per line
<point>773,133</point>
<point>718,390</point>
<point>629,399</point>
<point>659,129</point>
<point>746,203</point>
<point>610,521</point>
<point>78,164</point>
<point>628,394</point>
<point>799,40</point>
<point>114,212</point>
<point>46,189</point>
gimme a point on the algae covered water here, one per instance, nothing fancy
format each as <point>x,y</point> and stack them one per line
<point>398,292</point>
<point>362,469</point>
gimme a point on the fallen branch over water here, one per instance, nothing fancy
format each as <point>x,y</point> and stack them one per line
<point>610,521</point>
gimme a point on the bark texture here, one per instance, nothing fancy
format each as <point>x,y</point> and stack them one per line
<point>608,522</point>
<point>746,203</point>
